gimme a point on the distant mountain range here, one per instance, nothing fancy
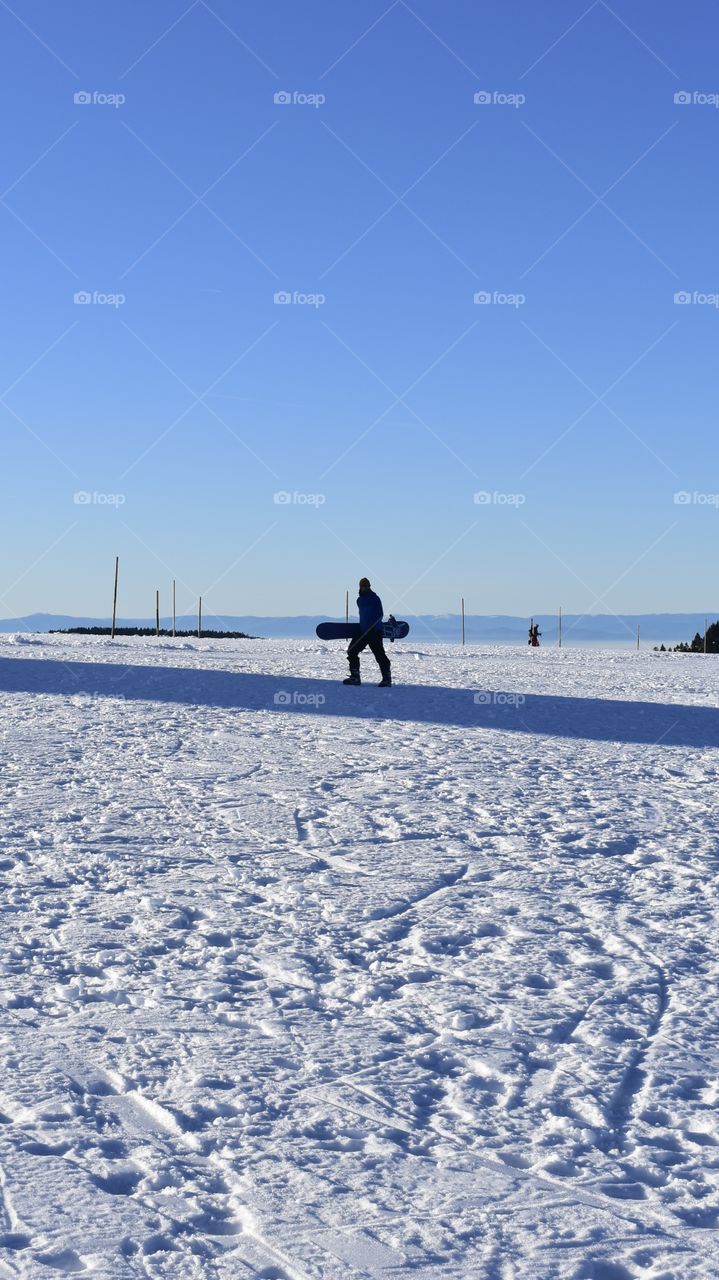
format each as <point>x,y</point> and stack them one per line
<point>598,628</point>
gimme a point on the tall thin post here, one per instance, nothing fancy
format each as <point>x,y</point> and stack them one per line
<point>199,620</point>
<point>157,613</point>
<point>462,619</point>
<point>114,596</point>
<point>560,626</point>
<point>705,635</point>
<point>347,606</point>
<point>638,629</point>
<point>174,611</point>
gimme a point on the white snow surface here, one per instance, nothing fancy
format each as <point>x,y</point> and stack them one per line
<point>307,982</point>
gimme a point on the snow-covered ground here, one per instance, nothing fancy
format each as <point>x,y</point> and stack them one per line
<point>312,983</point>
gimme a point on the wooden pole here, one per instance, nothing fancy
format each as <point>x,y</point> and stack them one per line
<point>114,596</point>
<point>560,626</point>
<point>199,620</point>
<point>174,611</point>
<point>462,619</point>
<point>157,613</point>
<point>347,606</point>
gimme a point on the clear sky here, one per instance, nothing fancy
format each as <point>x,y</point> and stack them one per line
<point>182,197</point>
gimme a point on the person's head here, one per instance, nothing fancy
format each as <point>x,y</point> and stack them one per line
<point>364,584</point>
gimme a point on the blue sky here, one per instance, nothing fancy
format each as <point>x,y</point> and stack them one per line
<point>382,407</point>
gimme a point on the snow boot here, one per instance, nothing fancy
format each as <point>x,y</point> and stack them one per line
<point>385,683</point>
<point>352,680</point>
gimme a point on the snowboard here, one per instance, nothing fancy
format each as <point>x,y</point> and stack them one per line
<point>391,630</point>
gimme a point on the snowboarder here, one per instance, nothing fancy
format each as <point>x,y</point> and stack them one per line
<point>370,616</point>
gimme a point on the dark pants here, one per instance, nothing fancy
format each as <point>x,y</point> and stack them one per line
<point>373,638</point>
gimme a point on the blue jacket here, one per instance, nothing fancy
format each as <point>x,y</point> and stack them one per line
<point>370,610</point>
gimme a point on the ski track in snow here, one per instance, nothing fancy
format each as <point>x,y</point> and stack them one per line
<point>397,983</point>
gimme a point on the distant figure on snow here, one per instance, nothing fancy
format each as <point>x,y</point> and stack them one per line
<point>534,634</point>
<point>370,616</point>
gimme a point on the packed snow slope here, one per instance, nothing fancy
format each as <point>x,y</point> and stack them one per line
<point>306,982</point>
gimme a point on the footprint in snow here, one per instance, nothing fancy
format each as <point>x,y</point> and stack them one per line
<point>120,1182</point>
<point>15,1240</point>
<point>62,1260</point>
<point>538,983</point>
<point>158,1244</point>
<point>446,944</point>
<point>597,1269</point>
<point>46,1148</point>
<point>489,930</point>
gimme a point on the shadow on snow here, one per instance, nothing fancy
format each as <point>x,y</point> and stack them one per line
<point>605,720</point>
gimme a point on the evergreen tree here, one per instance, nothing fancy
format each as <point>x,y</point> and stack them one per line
<point>697,644</point>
